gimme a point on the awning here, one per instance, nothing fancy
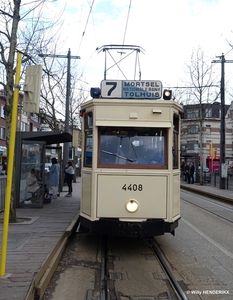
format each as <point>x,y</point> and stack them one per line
<point>49,137</point>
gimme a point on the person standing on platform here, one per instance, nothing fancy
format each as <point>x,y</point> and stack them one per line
<point>187,174</point>
<point>192,169</point>
<point>69,175</point>
<point>54,177</point>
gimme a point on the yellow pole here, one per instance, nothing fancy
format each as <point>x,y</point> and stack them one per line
<point>10,165</point>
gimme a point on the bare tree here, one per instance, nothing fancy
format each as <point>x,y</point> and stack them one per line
<point>202,91</point>
<point>20,29</point>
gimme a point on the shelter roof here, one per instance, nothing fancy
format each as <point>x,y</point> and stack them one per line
<point>49,137</point>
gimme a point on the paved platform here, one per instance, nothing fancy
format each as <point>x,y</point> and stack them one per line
<point>31,243</point>
<point>33,239</point>
<point>209,190</point>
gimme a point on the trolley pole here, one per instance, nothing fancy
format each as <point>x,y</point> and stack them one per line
<point>222,131</point>
<point>67,114</point>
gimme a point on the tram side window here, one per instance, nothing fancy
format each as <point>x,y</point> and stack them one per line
<point>88,139</point>
<point>175,148</point>
<point>132,146</point>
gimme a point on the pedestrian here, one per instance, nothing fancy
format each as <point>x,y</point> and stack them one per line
<point>33,186</point>
<point>187,174</point>
<point>54,177</point>
<point>192,169</point>
<point>32,182</point>
<point>182,171</point>
<point>69,175</point>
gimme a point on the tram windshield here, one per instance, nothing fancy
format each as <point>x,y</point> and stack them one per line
<point>132,146</point>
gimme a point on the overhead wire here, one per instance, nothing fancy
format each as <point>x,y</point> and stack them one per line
<point>127,20</point>
<point>83,34</point>
<point>126,26</point>
<point>84,31</point>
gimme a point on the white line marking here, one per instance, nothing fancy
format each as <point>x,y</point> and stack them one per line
<point>228,253</point>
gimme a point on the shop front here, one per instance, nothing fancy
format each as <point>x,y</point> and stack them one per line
<point>213,163</point>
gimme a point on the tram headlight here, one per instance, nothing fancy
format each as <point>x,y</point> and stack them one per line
<point>132,206</point>
<point>167,95</point>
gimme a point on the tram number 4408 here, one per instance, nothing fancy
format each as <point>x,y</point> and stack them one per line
<point>132,187</point>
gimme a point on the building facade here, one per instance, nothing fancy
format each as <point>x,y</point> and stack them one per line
<point>31,122</point>
<point>201,129</point>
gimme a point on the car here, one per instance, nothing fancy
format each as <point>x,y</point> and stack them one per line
<point>206,175</point>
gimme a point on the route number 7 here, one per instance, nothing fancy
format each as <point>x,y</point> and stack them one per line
<point>114,85</point>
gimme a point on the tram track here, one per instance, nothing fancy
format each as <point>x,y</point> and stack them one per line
<point>221,211</point>
<point>174,283</point>
<point>118,268</point>
<point>108,276</point>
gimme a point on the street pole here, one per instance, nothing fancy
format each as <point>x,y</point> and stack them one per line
<point>222,131</point>
<point>10,166</point>
<point>67,114</point>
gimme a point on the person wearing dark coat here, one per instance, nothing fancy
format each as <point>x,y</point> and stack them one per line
<point>192,169</point>
<point>182,171</point>
<point>187,173</point>
<point>69,174</point>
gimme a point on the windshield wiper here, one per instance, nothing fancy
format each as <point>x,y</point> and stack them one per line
<point>117,155</point>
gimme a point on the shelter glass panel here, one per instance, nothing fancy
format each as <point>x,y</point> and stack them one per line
<point>32,175</point>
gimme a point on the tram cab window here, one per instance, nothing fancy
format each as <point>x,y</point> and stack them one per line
<point>121,146</point>
<point>175,148</point>
<point>88,139</point>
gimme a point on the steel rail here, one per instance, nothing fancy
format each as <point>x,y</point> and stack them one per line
<point>209,211</point>
<point>181,294</point>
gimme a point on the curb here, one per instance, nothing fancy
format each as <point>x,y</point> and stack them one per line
<point>209,194</point>
<point>42,278</point>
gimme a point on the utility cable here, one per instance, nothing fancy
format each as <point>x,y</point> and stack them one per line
<point>86,24</point>
<point>126,26</point>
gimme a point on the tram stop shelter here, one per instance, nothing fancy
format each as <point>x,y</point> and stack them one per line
<point>30,149</point>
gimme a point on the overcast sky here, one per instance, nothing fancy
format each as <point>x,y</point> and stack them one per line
<point>168,30</point>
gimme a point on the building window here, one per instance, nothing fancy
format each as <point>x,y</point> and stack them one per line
<point>2,133</point>
<point>193,129</point>
<point>23,126</point>
<point>208,113</point>
<point>193,113</point>
<point>2,112</point>
<point>192,145</point>
<point>34,118</point>
<point>208,129</point>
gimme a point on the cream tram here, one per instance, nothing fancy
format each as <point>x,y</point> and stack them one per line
<point>130,160</point>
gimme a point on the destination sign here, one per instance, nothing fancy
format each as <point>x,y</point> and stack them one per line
<point>126,89</point>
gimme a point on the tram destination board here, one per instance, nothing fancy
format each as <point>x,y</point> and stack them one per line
<point>126,89</point>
